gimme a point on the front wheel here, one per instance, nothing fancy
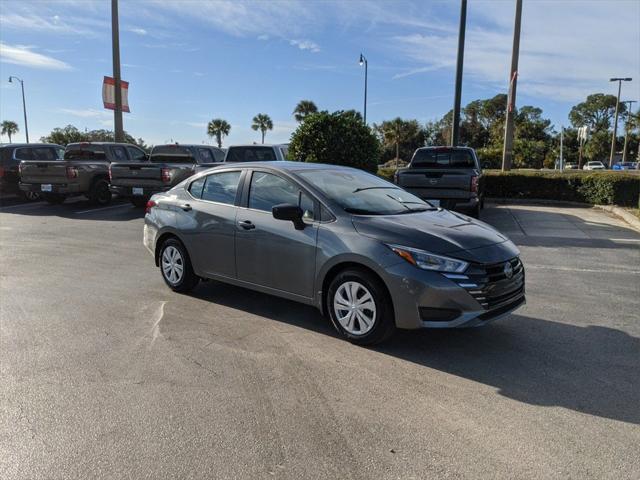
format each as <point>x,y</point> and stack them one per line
<point>360,307</point>
<point>176,267</point>
<point>53,198</point>
<point>100,193</point>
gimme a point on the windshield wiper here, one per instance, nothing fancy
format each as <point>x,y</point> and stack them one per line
<point>360,189</point>
<point>361,211</point>
<point>415,210</point>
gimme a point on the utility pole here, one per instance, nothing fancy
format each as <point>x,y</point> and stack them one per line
<point>455,127</point>
<point>629,104</point>
<point>115,42</point>
<point>561,149</point>
<point>615,121</point>
<point>363,61</point>
<point>24,105</point>
<point>507,154</point>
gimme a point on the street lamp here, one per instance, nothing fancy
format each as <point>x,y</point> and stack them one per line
<point>615,121</point>
<point>363,61</point>
<point>24,105</point>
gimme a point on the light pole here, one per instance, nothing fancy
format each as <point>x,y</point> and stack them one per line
<point>507,154</point>
<point>615,121</point>
<point>24,105</point>
<point>118,129</point>
<point>363,61</point>
<point>455,127</point>
<point>629,104</point>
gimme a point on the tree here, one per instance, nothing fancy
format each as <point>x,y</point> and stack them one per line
<point>9,128</point>
<point>262,122</point>
<point>596,112</point>
<point>400,136</point>
<point>339,138</point>
<point>71,134</point>
<point>218,128</point>
<point>303,109</point>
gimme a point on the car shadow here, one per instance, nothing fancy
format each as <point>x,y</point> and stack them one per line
<point>588,369</point>
<point>74,208</point>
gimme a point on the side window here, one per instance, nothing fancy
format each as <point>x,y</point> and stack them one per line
<point>59,153</point>
<point>218,155</point>
<point>267,190</point>
<point>136,154</point>
<point>24,154</point>
<point>119,154</point>
<point>44,153</point>
<point>205,156</point>
<point>196,187</point>
<point>221,187</point>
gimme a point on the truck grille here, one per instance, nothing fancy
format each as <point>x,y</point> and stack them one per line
<point>493,285</point>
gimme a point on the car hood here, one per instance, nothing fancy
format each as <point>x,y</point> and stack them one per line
<point>439,231</point>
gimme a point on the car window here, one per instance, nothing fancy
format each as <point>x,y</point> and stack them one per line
<point>218,154</point>
<point>221,187</point>
<point>119,153</point>
<point>251,154</point>
<point>267,190</point>
<point>285,152</point>
<point>84,152</point>
<point>44,153</point>
<point>136,154</point>
<point>172,154</point>
<point>443,158</point>
<point>196,187</point>
<point>59,153</point>
<point>24,154</point>
<point>205,156</point>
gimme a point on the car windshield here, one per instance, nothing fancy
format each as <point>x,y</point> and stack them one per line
<point>361,193</point>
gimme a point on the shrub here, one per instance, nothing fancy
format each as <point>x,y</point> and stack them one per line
<point>608,188</point>
<point>386,173</point>
<point>338,138</point>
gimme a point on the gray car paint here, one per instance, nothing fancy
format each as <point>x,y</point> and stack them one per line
<point>277,259</point>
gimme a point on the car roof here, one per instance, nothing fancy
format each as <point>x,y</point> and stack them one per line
<point>444,147</point>
<point>102,143</point>
<point>189,145</point>
<point>287,165</point>
<point>22,145</point>
<point>267,145</point>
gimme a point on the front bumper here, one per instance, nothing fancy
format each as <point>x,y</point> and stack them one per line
<point>424,299</point>
<point>127,192</point>
<point>57,188</point>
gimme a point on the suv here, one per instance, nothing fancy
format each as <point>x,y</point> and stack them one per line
<point>257,153</point>
<point>10,157</point>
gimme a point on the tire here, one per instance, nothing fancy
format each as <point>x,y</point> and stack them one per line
<point>30,196</point>
<point>173,254</point>
<point>367,326</point>
<point>53,198</point>
<point>139,202</point>
<point>100,193</point>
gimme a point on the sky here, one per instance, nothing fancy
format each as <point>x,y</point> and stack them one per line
<point>189,61</point>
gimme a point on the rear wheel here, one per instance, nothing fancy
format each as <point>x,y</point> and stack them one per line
<point>100,193</point>
<point>53,198</point>
<point>360,307</point>
<point>175,266</point>
<point>139,202</point>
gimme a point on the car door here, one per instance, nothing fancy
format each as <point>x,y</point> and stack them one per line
<point>207,221</point>
<point>269,252</point>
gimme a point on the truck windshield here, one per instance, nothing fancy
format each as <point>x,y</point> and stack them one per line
<point>443,158</point>
<point>172,154</point>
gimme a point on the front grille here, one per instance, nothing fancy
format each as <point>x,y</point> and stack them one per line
<point>490,285</point>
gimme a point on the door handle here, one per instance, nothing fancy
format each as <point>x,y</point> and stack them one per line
<point>186,207</point>
<point>247,225</point>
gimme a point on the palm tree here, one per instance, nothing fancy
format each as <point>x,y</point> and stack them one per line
<point>304,108</point>
<point>262,122</point>
<point>218,128</point>
<point>394,133</point>
<point>9,128</point>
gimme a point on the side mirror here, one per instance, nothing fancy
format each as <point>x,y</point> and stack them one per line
<point>293,213</point>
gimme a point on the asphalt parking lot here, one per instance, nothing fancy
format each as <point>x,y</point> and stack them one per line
<point>105,373</point>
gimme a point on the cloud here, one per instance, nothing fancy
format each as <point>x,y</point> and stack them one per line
<point>85,113</point>
<point>36,21</point>
<point>137,30</point>
<point>305,45</point>
<point>263,37</point>
<point>23,55</point>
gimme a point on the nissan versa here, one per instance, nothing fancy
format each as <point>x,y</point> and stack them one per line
<point>368,254</point>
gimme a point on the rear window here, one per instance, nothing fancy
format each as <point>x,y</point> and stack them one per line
<point>251,154</point>
<point>443,158</point>
<point>218,154</point>
<point>205,156</point>
<point>172,153</point>
<point>85,152</point>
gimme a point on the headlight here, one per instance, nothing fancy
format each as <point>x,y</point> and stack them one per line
<point>429,261</point>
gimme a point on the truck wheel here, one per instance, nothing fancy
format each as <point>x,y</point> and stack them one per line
<point>139,202</point>
<point>100,193</point>
<point>53,198</point>
<point>175,267</point>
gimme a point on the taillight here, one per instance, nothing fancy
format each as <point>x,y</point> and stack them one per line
<point>2,171</point>
<point>72,172</point>
<point>150,205</point>
<point>165,175</point>
<point>474,184</point>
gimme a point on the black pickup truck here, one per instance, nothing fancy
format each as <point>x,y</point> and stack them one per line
<point>10,157</point>
<point>168,165</point>
<point>83,171</point>
<point>447,177</point>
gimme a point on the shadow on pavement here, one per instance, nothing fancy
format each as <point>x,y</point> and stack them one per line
<point>74,208</point>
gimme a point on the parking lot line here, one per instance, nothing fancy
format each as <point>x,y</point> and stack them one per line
<point>103,208</point>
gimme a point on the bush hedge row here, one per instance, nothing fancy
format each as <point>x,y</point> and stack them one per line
<point>602,188</point>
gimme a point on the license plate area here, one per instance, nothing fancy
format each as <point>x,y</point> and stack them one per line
<point>46,187</point>
<point>137,191</point>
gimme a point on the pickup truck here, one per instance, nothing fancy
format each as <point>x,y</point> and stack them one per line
<point>447,177</point>
<point>257,153</point>
<point>168,165</point>
<point>83,171</point>
<point>10,157</point>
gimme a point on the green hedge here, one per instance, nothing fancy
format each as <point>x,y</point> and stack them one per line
<point>603,188</point>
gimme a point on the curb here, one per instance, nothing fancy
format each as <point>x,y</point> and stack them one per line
<point>621,213</point>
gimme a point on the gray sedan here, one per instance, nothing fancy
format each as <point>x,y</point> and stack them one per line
<point>369,255</point>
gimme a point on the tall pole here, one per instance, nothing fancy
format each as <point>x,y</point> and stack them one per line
<point>629,104</point>
<point>115,42</point>
<point>455,127</point>
<point>615,120</point>
<point>507,154</point>
<point>561,149</point>
<point>24,105</point>
<point>363,61</point>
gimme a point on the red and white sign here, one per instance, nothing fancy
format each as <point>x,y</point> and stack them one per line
<point>109,94</point>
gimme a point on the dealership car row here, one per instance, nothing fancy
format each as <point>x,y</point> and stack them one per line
<point>371,255</point>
